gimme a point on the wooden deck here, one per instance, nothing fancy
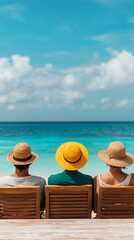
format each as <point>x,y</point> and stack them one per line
<point>98,229</point>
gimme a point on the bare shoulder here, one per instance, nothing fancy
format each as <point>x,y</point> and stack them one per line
<point>132,180</point>
<point>95,180</point>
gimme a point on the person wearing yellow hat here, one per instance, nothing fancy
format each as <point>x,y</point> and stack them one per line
<point>71,156</point>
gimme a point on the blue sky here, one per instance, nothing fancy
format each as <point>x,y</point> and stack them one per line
<point>66,60</point>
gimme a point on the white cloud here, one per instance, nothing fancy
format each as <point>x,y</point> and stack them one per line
<point>69,80</point>
<point>13,11</point>
<point>22,84</point>
<point>70,96</point>
<point>49,66</point>
<point>92,106</point>
<point>104,100</point>
<point>11,107</point>
<point>131,20</point>
<point>3,99</point>
<point>102,38</point>
<point>63,26</point>
<point>119,71</point>
<point>46,99</point>
<point>57,53</point>
<point>123,103</point>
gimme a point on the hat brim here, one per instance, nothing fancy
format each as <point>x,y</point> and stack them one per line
<point>124,162</point>
<point>31,160</point>
<point>71,166</point>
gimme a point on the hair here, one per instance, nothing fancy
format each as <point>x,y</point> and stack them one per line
<point>22,167</point>
<point>115,166</point>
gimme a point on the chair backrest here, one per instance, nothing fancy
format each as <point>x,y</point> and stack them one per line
<point>68,201</point>
<point>20,202</point>
<point>116,202</point>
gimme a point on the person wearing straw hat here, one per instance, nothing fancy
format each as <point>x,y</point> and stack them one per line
<point>116,157</point>
<point>22,157</point>
<point>71,156</point>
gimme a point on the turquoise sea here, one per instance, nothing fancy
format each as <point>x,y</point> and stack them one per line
<point>45,138</point>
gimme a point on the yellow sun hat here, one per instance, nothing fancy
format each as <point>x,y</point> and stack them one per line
<point>72,156</point>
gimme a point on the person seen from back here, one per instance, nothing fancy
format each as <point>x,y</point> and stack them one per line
<point>71,156</point>
<point>116,157</point>
<point>22,158</point>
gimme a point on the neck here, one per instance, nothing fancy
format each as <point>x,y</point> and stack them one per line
<point>19,173</point>
<point>115,170</point>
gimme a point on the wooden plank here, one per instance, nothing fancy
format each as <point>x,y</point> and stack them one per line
<point>18,210</point>
<point>18,189</point>
<point>118,206</point>
<point>54,215</point>
<point>68,196</point>
<point>89,202</point>
<point>13,202</point>
<point>123,200</point>
<point>82,203</point>
<point>16,195</point>
<point>99,203</point>
<point>117,216</point>
<point>68,210</point>
<point>74,229</point>
<point>47,201</point>
<point>19,217</point>
<point>68,206</point>
<point>116,202</point>
<point>38,213</point>
<point>17,206</point>
<point>17,200</point>
<point>68,217</point>
<point>17,203</point>
<point>69,199</point>
<point>80,188</point>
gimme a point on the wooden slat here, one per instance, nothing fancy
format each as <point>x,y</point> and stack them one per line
<point>11,195</point>
<point>19,217</point>
<point>57,188</point>
<point>52,203</point>
<point>47,201</point>
<point>51,196</point>
<point>18,190</point>
<point>60,210</point>
<point>117,216</point>
<point>68,206</point>
<point>20,202</point>
<point>68,201</point>
<point>18,210</point>
<point>37,203</point>
<point>68,216</point>
<point>116,202</point>
<point>5,206</point>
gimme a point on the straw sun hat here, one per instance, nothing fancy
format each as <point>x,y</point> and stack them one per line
<point>116,155</point>
<point>72,156</point>
<point>22,155</point>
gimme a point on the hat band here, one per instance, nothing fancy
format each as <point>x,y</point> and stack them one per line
<point>22,159</point>
<point>75,161</point>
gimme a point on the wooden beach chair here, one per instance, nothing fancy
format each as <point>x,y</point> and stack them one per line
<point>116,202</point>
<point>68,201</point>
<point>20,202</point>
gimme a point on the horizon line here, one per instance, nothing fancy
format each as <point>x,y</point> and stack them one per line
<point>115,121</point>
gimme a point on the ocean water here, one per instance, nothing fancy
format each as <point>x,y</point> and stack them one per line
<point>45,138</point>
